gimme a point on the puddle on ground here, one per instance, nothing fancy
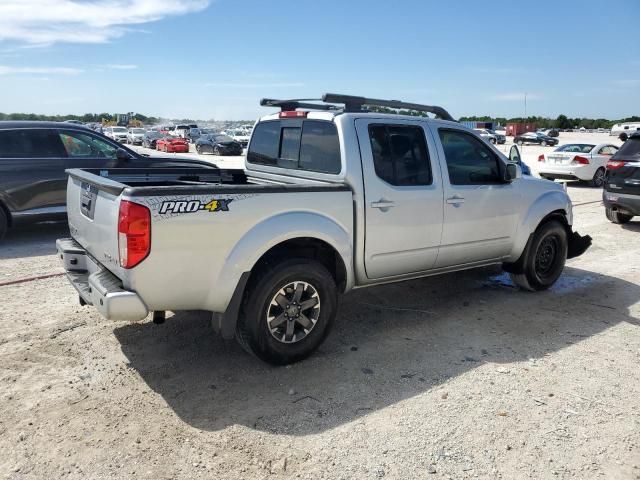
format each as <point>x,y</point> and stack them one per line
<point>567,283</point>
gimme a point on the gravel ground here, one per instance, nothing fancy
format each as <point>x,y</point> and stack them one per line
<point>457,376</point>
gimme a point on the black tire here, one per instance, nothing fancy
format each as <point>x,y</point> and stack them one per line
<point>198,150</point>
<point>520,142</point>
<point>4,223</point>
<point>545,258</point>
<point>216,150</point>
<point>493,141</point>
<point>598,178</point>
<point>259,337</point>
<point>613,215</point>
<point>544,143</point>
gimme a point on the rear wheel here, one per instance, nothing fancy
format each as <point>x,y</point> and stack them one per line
<point>4,223</point>
<point>216,150</point>
<point>598,178</point>
<point>545,258</point>
<point>520,142</point>
<point>287,311</point>
<point>493,141</point>
<point>616,217</point>
<point>544,143</point>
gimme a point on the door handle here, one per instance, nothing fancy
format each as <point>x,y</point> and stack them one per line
<point>455,200</point>
<point>383,204</point>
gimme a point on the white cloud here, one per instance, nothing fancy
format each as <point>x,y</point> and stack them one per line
<point>515,97</point>
<point>255,85</point>
<point>6,70</point>
<point>44,22</point>
<point>120,66</point>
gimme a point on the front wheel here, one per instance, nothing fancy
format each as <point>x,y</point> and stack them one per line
<point>520,142</point>
<point>598,178</point>
<point>545,258</point>
<point>616,217</point>
<point>544,143</point>
<point>288,311</point>
<point>493,141</point>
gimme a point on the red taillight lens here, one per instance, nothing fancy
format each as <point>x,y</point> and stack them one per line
<point>134,233</point>
<point>615,164</point>
<point>541,158</point>
<point>293,114</point>
<point>580,160</point>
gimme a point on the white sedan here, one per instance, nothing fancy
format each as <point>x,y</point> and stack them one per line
<point>577,161</point>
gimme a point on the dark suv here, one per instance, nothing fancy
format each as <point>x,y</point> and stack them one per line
<point>621,195</point>
<point>33,159</point>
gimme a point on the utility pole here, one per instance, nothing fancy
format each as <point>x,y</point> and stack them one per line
<point>525,107</point>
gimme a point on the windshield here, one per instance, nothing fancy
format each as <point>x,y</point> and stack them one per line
<point>137,130</point>
<point>575,147</point>
<point>119,129</point>
<point>154,134</point>
<point>222,138</point>
<point>630,150</point>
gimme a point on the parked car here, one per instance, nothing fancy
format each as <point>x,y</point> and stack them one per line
<point>535,137</point>
<point>181,130</point>
<point>621,195</point>
<point>577,161</point>
<point>491,136</point>
<point>329,204</point>
<point>150,138</point>
<point>33,159</point>
<point>240,136</point>
<point>193,134</point>
<point>171,144</point>
<point>135,136</point>
<point>218,144</point>
<point>119,134</point>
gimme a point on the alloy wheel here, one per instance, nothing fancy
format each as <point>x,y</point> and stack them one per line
<point>293,312</point>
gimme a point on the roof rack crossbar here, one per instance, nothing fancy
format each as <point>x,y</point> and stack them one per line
<point>288,105</point>
<point>355,104</point>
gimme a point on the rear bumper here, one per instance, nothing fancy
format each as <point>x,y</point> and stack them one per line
<point>570,172</point>
<point>97,286</point>
<point>622,202</point>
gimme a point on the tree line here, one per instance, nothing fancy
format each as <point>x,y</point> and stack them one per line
<point>562,121</point>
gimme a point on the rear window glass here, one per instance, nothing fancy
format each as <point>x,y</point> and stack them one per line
<point>576,147</point>
<point>630,150</point>
<point>313,146</point>
<point>25,143</point>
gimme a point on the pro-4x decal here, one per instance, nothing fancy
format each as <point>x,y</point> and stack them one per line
<point>190,206</point>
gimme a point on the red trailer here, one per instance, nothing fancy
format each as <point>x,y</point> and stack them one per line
<point>514,129</point>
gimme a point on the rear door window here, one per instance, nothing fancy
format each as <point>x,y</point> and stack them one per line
<point>30,143</point>
<point>310,145</point>
<point>400,155</point>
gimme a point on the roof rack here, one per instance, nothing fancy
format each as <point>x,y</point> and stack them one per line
<point>287,105</point>
<point>352,104</point>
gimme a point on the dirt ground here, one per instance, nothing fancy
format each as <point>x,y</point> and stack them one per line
<point>457,376</point>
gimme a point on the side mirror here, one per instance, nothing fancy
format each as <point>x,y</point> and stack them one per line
<point>122,154</point>
<point>514,155</point>
<point>512,172</point>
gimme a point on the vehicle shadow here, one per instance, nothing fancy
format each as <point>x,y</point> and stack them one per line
<point>32,240</point>
<point>390,343</point>
<point>633,225</point>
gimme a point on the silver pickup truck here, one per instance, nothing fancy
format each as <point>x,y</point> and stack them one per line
<point>332,198</point>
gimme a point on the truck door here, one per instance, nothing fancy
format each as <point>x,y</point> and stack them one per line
<point>481,211</point>
<point>403,197</point>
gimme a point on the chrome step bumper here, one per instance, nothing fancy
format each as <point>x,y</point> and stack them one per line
<point>97,286</point>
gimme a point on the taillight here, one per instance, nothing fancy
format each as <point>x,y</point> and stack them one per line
<point>615,164</point>
<point>134,233</point>
<point>293,114</point>
<point>541,158</point>
<point>580,160</point>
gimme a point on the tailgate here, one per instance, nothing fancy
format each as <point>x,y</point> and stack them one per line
<point>92,207</point>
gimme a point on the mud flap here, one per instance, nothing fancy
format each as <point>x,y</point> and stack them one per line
<point>225,323</point>
<point>578,244</point>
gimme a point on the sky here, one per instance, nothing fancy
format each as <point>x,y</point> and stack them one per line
<point>214,59</point>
